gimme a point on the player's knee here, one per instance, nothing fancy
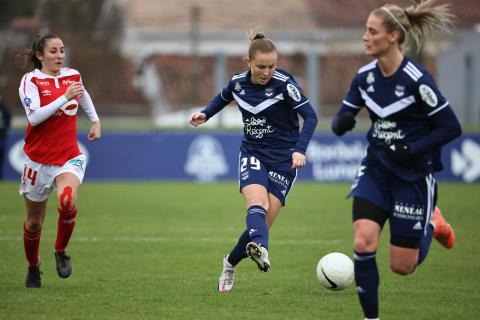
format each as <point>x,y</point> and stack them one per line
<point>67,198</point>
<point>33,226</point>
<point>364,244</point>
<point>402,269</point>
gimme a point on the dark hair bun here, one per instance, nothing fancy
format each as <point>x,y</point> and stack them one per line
<point>259,36</point>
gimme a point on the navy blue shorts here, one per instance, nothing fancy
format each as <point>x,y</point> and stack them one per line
<point>409,205</point>
<point>277,179</point>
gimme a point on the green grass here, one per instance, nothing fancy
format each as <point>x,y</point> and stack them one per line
<point>154,251</point>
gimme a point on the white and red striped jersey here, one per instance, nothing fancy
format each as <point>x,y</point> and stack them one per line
<point>53,140</point>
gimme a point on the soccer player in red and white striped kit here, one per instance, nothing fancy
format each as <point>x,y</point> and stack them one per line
<point>50,95</point>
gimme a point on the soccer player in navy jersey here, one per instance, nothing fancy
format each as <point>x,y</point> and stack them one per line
<point>411,121</point>
<point>272,149</point>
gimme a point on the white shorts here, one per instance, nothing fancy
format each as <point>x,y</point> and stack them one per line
<point>38,179</point>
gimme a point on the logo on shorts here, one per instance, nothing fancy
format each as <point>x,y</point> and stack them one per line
<point>408,211</point>
<point>278,178</point>
<point>417,226</point>
<point>77,163</point>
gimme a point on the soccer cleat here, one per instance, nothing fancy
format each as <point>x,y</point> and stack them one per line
<point>64,266</point>
<point>225,282</point>
<point>33,279</point>
<point>443,232</point>
<point>259,255</point>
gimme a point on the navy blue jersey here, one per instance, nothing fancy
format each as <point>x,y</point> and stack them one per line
<point>406,108</point>
<point>270,115</point>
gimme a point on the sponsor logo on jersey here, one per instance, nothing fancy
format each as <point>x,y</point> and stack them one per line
<point>269,92</point>
<point>256,127</point>
<point>43,82</point>
<point>27,101</point>
<point>387,131</point>
<point>428,95</point>
<point>293,92</point>
<point>67,82</point>
<point>238,87</point>
<point>46,92</point>
<point>399,90</point>
<point>70,108</point>
<point>370,78</point>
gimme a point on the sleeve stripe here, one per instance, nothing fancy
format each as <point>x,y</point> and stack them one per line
<point>301,104</point>
<point>351,105</point>
<point>221,96</point>
<point>438,109</point>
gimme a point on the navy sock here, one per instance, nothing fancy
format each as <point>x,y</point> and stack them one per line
<point>239,252</point>
<point>256,226</point>
<point>367,281</point>
<point>425,244</point>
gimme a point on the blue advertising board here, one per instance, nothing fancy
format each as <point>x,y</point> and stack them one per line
<point>205,157</point>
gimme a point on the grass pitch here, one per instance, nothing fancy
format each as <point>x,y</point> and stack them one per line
<point>154,251</point>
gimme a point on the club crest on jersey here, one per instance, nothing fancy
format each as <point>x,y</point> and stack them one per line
<point>370,78</point>
<point>428,95</point>
<point>268,92</point>
<point>238,87</point>
<point>399,90</point>
<point>293,92</point>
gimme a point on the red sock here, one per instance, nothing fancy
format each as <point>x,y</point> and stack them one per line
<point>66,222</point>
<point>31,243</point>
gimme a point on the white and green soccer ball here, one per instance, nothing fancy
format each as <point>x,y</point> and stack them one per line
<point>335,271</point>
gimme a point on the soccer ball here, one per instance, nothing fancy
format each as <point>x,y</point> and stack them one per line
<point>335,271</point>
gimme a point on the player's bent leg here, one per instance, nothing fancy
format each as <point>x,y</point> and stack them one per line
<point>67,190</point>
<point>443,231</point>
<point>403,261</point>
<point>273,210</point>
<point>227,277</point>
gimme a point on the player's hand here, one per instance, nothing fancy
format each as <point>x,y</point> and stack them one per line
<point>197,118</point>
<point>298,160</point>
<point>74,90</point>
<point>95,132</point>
<point>400,152</point>
<point>343,123</point>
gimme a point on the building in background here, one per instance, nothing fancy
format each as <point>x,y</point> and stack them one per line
<point>151,59</point>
